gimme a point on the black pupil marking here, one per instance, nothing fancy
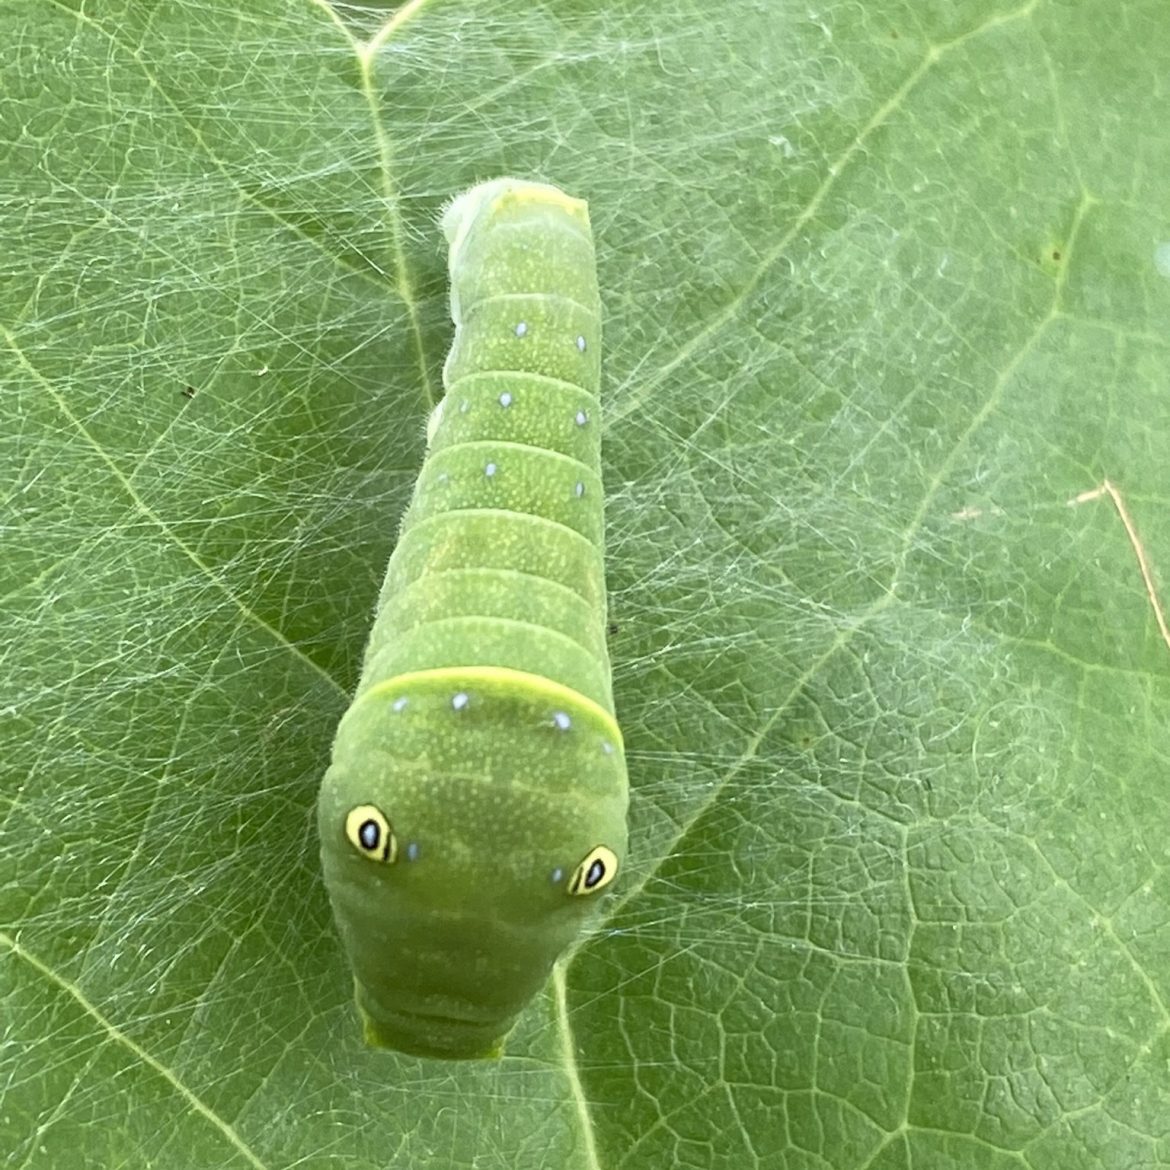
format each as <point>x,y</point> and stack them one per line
<point>369,835</point>
<point>595,874</point>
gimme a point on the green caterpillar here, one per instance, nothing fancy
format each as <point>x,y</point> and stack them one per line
<point>476,802</point>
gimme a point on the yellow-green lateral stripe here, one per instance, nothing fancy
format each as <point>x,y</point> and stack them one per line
<point>465,675</point>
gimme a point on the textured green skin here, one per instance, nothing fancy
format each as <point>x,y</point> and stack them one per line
<point>491,576</point>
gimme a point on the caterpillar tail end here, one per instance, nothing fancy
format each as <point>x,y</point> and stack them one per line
<point>495,196</point>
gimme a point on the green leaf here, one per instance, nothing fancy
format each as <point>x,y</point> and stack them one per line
<point>886,291</point>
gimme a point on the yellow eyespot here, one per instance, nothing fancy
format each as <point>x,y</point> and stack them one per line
<point>594,873</point>
<point>370,834</point>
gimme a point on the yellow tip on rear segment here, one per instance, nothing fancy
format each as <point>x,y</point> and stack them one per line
<point>524,192</point>
<point>497,196</point>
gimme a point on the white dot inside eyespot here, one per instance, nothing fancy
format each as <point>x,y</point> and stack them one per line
<point>521,328</point>
<point>505,399</point>
<point>581,343</point>
<point>579,489</point>
<point>399,704</point>
<point>582,418</point>
<point>490,470</point>
<point>460,701</point>
<point>562,720</point>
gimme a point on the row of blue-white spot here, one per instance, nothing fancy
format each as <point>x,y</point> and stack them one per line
<point>490,469</point>
<point>522,331</point>
<point>461,700</point>
<point>506,400</point>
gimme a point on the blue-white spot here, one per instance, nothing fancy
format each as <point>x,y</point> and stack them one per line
<point>442,477</point>
<point>557,876</point>
<point>579,490</point>
<point>582,418</point>
<point>464,406</point>
<point>607,747</point>
<point>562,720</point>
<point>490,470</point>
<point>581,343</point>
<point>505,400</point>
<point>521,328</point>
<point>460,700</point>
<point>399,704</point>
<point>412,851</point>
